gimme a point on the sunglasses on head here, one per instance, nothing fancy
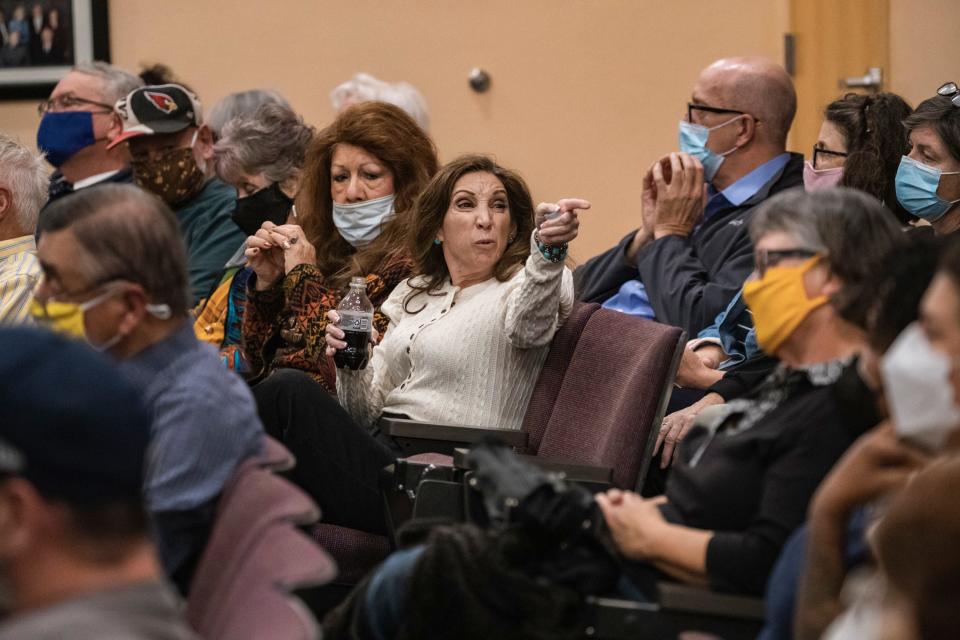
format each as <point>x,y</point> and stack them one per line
<point>950,90</point>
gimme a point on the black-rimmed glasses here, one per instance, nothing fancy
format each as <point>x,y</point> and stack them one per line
<point>764,259</point>
<point>827,152</point>
<point>691,107</point>
<point>64,103</point>
<point>950,90</point>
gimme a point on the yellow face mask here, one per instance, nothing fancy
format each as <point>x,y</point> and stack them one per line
<point>65,318</point>
<point>779,303</point>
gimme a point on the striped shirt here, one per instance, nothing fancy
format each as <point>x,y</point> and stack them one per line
<point>19,274</point>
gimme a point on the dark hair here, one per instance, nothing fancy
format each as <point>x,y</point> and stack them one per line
<point>872,126</point>
<point>431,209</point>
<point>127,234</point>
<point>941,114</point>
<point>159,73</point>
<point>898,287</point>
<point>395,139</point>
<point>853,230</point>
<point>105,534</point>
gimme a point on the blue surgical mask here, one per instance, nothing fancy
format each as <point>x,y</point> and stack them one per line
<point>360,223</point>
<point>62,134</point>
<point>693,140</point>
<point>917,185</point>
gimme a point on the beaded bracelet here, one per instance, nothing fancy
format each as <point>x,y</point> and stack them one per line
<point>552,253</point>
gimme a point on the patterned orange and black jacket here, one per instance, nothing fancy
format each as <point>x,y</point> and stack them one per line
<point>284,326</point>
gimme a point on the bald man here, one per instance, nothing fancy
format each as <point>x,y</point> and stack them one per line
<point>690,256</point>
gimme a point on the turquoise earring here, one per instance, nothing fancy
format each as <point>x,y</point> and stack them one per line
<point>437,241</point>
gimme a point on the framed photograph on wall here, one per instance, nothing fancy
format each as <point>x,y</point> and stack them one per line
<point>41,39</point>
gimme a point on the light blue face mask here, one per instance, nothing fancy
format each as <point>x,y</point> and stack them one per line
<point>360,223</point>
<point>917,185</point>
<point>693,140</point>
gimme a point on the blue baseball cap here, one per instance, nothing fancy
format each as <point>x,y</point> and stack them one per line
<point>70,423</point>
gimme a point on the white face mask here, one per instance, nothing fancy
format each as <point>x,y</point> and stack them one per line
<point>361,223</point>
<point>916,379</point>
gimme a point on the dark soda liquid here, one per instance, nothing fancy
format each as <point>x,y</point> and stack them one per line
<point>355,355</point>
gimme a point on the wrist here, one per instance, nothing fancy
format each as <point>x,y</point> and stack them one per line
<point>641,238</point>
<point>551,253</point>
<point>671,229</point>
<point>660,536</point>
<point>829,510</point>
<point>265,284</point>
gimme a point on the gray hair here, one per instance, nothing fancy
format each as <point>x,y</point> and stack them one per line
<point>852,230</point>
<point>125,233</point>
<point>117,83</point>
<point>24,173</point>
<point>240,104</point>
<point>363,87</point>
<point>272,140</point>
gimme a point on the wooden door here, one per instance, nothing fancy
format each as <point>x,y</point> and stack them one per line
<point>834,40</point>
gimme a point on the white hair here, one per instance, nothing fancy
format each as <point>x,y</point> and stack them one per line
<point>363,87</point>
<point>241,103</point>
<point>117,83</point>
<point>24,173</point>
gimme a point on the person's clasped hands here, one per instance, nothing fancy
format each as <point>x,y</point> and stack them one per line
<point>674,196</point>
<point>275,250</point>
<point>635,523</point>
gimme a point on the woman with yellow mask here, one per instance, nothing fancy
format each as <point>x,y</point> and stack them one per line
<point>747,469</point>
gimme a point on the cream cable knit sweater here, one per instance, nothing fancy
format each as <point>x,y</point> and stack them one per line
<point>470,357</point>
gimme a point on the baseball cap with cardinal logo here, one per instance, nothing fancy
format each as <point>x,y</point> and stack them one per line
<point>156,110</point>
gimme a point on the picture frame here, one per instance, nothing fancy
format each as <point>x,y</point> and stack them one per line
<point>41,40</point>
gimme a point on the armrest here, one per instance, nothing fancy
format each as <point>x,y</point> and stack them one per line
<point>402,428</point>
<point>575,472</point>
<point>615,619</point>
<point>687,599</point>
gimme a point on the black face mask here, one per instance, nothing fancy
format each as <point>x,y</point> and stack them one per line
<point>270,203</point>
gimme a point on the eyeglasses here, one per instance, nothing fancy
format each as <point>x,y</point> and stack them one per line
<point>764,259</point>
<point>702,107</point>
<point>827,152</point>
<point>950,89</point>
<point>69,101</point>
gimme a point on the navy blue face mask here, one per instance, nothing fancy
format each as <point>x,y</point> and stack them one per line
<point>62,134</point>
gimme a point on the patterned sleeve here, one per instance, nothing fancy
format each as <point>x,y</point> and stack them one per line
<point>260,323</point>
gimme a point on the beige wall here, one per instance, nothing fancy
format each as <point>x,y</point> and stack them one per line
<point>924,46</point>
<point>585,94</point>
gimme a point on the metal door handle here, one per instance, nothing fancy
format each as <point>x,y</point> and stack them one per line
<point>873,80</point>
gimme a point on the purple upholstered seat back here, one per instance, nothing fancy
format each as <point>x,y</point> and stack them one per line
<point>554,369</point>
<point>609,393</point>
<point>256,555</point>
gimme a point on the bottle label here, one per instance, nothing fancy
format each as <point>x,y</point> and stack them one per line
<point>355,321</point>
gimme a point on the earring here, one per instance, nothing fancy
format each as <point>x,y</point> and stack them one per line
<point>512,237</point>
<point>437,241</point>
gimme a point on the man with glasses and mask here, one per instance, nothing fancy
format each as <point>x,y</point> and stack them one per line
<point>114,268</point>
<point>78,122</point>
<point>692,253</point>
<point>172,156</point>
